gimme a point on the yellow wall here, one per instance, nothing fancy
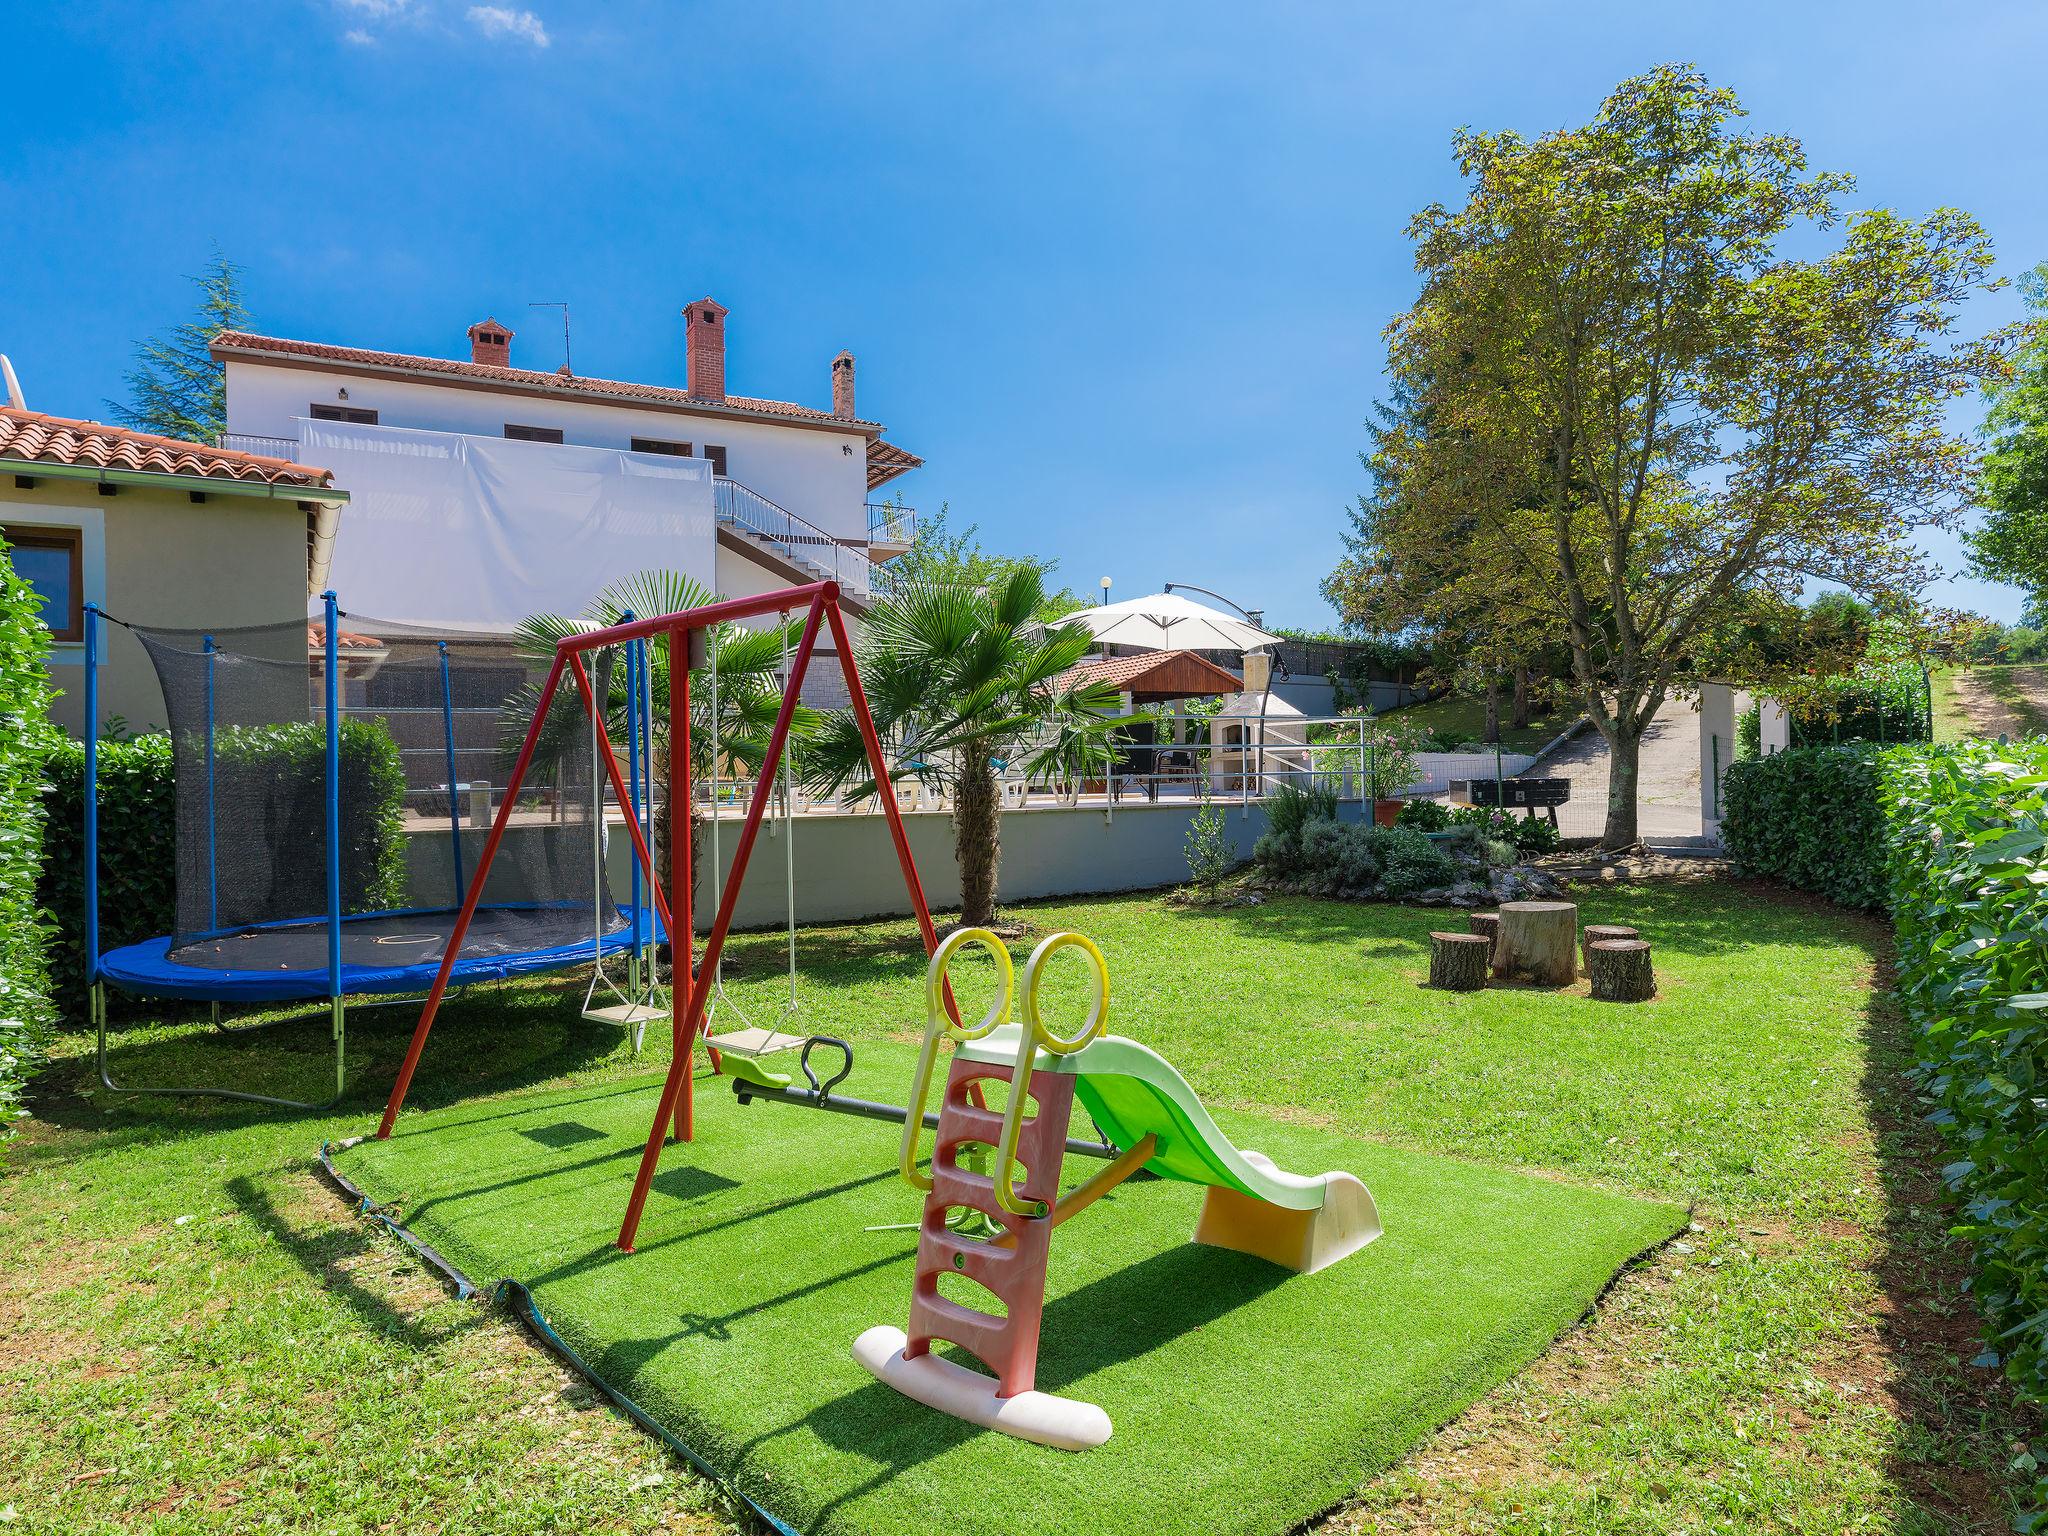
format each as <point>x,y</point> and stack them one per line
<point>156,557</point>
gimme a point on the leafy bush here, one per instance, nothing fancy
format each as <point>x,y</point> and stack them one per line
<point>138,829</point>
<point>1293,806</point>
<point>1525,834</point>
<point>1749,733</point>
<point>1810,816</point>
<point>138,856</point>
<point>1881,702</point>
<point>1968,866</point>
<point>1209,854</point>
<point>1424,815</point>
<point>25,738</point>
<point>1410,862</point>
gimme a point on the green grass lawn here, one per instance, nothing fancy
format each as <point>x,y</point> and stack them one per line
<point>1245,1399</point>
<point>1463,719</point>
<point>200,1336</point>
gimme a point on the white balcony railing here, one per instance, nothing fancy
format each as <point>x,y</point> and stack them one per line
<point>249,442</point>
<point>804,544</point>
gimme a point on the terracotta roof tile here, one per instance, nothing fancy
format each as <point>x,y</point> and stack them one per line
<point>886,461</point>
<point>34,438</point>
<point>554,383</point>
<point>1153,671</point>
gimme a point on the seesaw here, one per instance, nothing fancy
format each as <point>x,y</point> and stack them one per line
<point>1156,1123</point>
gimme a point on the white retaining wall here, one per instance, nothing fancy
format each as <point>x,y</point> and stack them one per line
<point>846,867</point>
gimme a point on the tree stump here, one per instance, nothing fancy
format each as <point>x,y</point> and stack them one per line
<point>1457,961</point>
<point>1594,933</point>
<point>1538,942</point>
<point>1621,971</point>
<point>1487,925</point>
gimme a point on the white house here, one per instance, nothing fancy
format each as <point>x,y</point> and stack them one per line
<point>483,492</point>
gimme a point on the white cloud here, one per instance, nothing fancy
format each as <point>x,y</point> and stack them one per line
<point>359,37</point>
<point>503,21</point>
<point>376,10</point>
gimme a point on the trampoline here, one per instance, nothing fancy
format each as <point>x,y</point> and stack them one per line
<point>330,779</point>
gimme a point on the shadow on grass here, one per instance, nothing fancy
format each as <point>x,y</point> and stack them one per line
<point>1120,1317</point>
<point>1952,1452</point>
<point>487,1040</point>
<point>325,1251</point>
<point>1686,918</point>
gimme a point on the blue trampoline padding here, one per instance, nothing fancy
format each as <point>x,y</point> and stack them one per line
<point>148,968</point>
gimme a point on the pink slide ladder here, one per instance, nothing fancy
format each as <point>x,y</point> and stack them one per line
<point>1011,1267</point>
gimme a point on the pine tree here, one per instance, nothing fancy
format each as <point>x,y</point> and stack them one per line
<point>176,389</point>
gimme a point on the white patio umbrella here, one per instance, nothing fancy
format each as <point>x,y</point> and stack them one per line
<point>1166,622</point>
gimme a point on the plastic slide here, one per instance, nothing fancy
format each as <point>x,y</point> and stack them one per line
<point>1303,1221</point>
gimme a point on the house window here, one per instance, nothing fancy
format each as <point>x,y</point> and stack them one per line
<point>349,413</point>
<point>51,560</point>
<point>660,445</point>
<point>533,434</point>
<point>716,455</point>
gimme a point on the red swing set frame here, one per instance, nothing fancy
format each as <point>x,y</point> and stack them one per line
<point>821,602</point>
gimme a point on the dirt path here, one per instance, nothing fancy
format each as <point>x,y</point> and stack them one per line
<point>1998,701</point>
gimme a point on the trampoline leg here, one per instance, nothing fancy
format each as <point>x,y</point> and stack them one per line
<point>97,1007</point>
<point>340,1048</point>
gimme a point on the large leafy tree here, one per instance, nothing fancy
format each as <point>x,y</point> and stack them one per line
<point>1637,413</point>
<point>2012,543</point>
<point>964,681</point>
<point>176,389</point>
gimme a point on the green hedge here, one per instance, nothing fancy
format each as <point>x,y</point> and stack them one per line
<point>138,824</point>
<point>1810,816</point>
<point>1969,889</point>
<point>25,737</point>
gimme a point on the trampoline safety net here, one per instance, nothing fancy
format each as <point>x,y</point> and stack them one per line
<point>430,724</point>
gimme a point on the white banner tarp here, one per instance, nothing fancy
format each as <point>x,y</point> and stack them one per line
<point>479,532</point>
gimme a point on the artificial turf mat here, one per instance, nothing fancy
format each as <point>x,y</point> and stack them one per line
<point>1245,1398</point>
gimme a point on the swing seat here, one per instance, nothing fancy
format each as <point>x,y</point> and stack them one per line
<point>626,1014</point>
<point>753,1041</point>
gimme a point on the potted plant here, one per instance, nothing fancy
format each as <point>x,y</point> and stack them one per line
<point>1389,767</point>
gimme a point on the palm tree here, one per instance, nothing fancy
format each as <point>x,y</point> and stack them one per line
<point>962,681</point>
<point>749,665</point>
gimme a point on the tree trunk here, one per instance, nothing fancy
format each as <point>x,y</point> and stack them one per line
<point>1457,961</point>
<point>1624,761</point>
<point>1521,716</point>
<point>1538,942</point>
<point>1486,924</point>
<point>1621,971</point>
<point>1594,933</point>
<point>1492,708</point>
<point>977,835</point>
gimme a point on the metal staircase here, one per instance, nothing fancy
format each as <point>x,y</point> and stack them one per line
<point>802,544</point>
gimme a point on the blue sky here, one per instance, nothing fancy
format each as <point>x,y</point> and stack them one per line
<point>1117,271</point>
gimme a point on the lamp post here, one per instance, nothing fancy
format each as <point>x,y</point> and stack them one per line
<point>1105,593</point>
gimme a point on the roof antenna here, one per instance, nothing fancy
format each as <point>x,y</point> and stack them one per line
<point>564,308</point>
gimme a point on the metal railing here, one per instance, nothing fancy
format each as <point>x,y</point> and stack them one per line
<point>889,523</point>
<point>249,442</point>
<point>802,543</point>
<point>1234,772</point>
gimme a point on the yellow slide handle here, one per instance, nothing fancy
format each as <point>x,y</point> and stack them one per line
<point>936,1023</point>
<point>1034,1037</point>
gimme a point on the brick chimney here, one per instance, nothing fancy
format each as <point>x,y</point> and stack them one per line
<point>490,342</point>
<point>842,385</point>
<point>704,343</point>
